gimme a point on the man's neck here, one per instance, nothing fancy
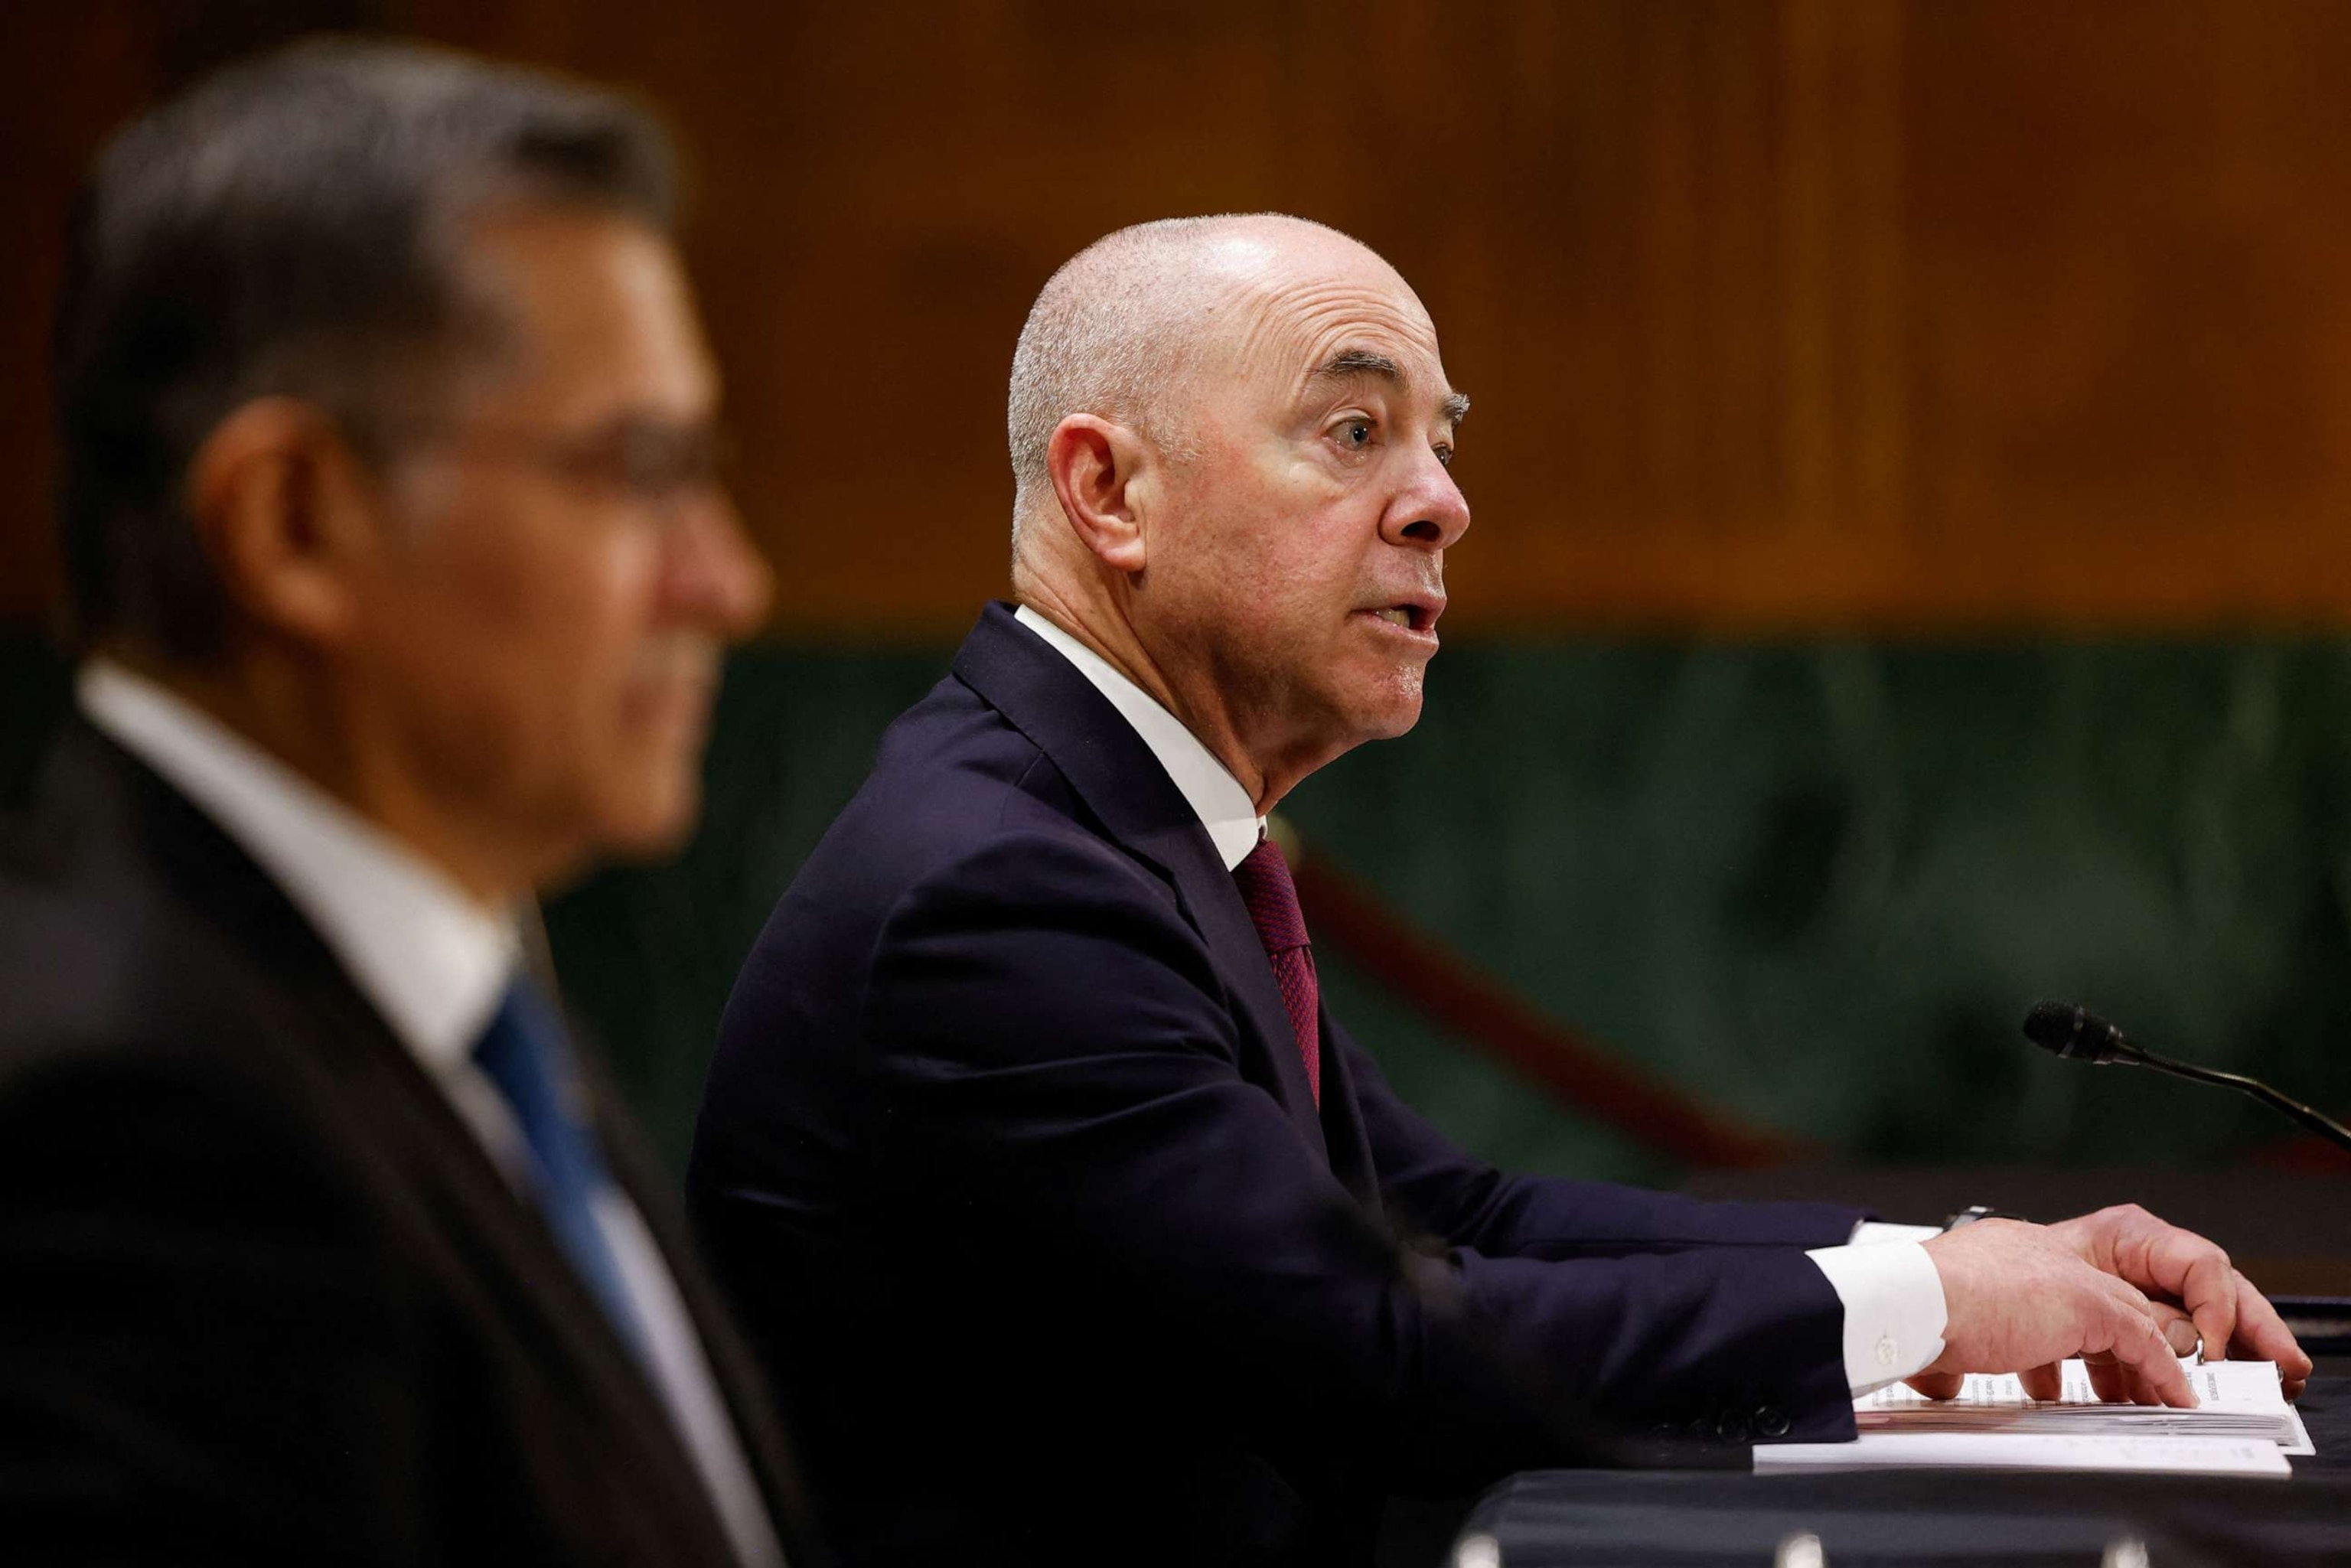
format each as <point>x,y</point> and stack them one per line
<point>298,722</point>
<point>1111,638</point>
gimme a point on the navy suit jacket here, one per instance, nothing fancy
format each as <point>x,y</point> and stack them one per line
<point>264,1298</point>
<point>1008,1155</point>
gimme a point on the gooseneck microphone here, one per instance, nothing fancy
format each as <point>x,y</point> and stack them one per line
<point>2080,1035</point>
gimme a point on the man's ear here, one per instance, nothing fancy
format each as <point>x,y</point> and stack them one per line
<point>1102,470</point>
<point>283,509</point>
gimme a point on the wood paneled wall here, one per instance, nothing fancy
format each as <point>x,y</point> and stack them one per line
<point>1805,315</point>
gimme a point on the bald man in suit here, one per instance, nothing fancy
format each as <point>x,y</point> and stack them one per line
<point>1078,1228</point>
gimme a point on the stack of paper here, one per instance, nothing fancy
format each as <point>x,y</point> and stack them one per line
<point>2006,1451</point>
<point>2235,1399</point>
<point>2241,1426</point>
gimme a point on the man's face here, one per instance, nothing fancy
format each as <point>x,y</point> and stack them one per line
<point>539,637</point>
<point>1298,560</point>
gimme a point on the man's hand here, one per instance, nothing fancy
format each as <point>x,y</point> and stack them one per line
<point>2021,1298</point>
<point>2232,1317</point>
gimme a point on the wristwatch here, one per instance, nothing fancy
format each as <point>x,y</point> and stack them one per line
<point>1970,1215</point>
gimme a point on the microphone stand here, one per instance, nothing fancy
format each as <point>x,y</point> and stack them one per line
<point>2327,1127</point>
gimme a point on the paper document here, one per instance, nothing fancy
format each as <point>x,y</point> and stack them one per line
<point>2241,1426</point>
<point>2235,1399</point>
<point>2007,1451</point>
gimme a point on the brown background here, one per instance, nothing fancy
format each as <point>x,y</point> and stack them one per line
<point>1819,319</point>
<point>1779,314</point>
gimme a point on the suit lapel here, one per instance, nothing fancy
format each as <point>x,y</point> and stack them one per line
<point>1212,901</point>
<point>1107,763</point>
<point>1349,1141</point>
<point>732,1365</point>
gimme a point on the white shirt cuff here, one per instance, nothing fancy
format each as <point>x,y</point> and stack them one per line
<point>1894,1308</point>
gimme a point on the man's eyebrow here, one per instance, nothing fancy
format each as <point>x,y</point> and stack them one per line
<point>1349,362</point>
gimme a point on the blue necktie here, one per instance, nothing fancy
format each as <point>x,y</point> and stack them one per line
<point>523,1050</point>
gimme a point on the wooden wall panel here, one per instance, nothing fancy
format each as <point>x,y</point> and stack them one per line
<point>66,74</point>
<point>2131,361</point>
<point>1779,314</point>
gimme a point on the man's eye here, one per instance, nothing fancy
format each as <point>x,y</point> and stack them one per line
<point>1445,455</point>
<point>1356,433</point>
<point>659,463</point>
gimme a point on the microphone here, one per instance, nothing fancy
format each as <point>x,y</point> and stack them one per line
<point>2078,1034</point>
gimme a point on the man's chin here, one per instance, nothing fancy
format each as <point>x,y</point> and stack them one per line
<point>1396,707</point>
<point>653,822</point>
<point>1382,721</point>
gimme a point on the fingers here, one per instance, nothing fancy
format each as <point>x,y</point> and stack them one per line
<point>2133,1340</point>
<point>2110,1380</point>
<point>2262,1335</point>
<point>1937,1384</point>
<point>2135,1244</point>
<point>2208,1289</point>
<point>2180,1330</point>
<point>2115,1381</point>
<point>2230,1317</point>
<point>2018,1294</point>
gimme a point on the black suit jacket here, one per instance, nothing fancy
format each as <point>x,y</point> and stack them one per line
<point>262,1296</point>
<point>1008,1152</point>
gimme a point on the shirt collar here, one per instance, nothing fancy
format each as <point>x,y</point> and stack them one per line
<point>431,960</point>
<point>1223,807</point>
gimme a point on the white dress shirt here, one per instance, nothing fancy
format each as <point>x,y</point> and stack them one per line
<point>435,964</point>
<point>1893,1298</point>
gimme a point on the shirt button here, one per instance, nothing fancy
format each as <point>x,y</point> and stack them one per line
<point>1887,1350</point>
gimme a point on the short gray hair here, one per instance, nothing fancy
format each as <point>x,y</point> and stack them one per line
<point>281,229</point>
<point>1113,332</point>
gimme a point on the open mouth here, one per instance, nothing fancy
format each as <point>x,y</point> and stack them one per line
<point>1408,616</point>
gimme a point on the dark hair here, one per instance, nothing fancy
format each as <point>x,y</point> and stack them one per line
<point>290,226</point>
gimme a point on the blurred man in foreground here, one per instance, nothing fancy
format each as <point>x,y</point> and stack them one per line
<point>393,535</point>
<point>1076,1227</point>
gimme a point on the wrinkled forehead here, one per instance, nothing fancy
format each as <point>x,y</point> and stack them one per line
<point>1291,309</point>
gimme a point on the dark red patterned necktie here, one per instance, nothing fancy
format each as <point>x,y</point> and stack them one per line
<point>1272,900</point>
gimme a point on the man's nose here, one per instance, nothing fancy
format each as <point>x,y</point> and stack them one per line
<point>1431,512</point>
<point>712,575</point>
